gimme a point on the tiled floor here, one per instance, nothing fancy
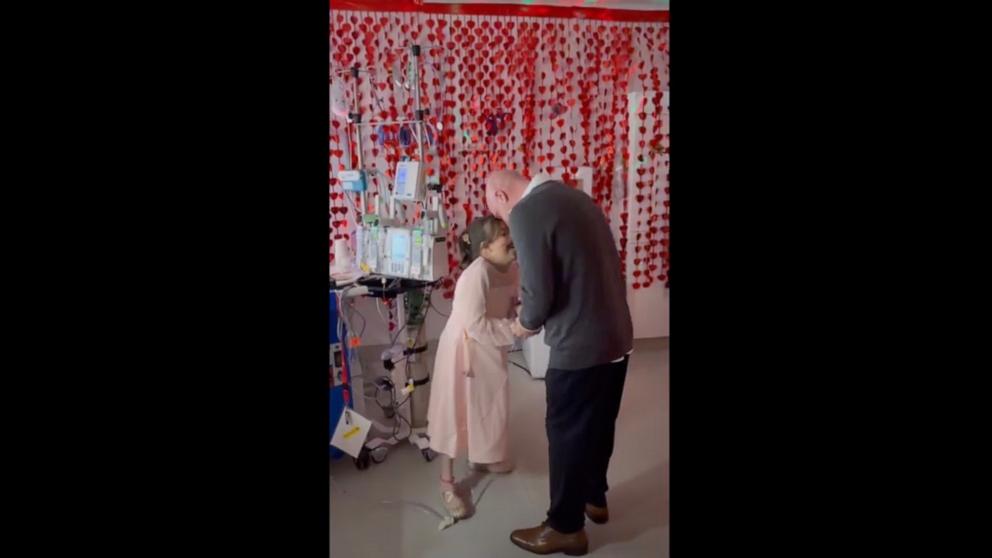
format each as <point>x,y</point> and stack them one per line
<point>393,509</point>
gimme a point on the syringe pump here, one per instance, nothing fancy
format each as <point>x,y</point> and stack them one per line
<point>407,252</point>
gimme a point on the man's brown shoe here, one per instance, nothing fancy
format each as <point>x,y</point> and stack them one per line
<point>597,514</point>
<point>545,540</point>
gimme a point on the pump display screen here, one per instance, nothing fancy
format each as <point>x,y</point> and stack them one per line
<point>407,176</point>
<point>402,252</point>
<point>399,251</point>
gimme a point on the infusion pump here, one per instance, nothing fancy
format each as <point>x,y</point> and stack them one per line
<point>407,252</point>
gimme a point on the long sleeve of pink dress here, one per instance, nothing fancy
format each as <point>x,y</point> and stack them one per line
<point>468,411</point>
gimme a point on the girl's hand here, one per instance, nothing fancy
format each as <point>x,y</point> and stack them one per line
<point>514,312</point>
<point>520,331</point>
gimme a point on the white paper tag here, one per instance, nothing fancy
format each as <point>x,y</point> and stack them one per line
<point>350,434</point>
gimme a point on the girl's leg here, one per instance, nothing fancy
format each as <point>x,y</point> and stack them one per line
<point>447,469</point>
<point>449,493</point>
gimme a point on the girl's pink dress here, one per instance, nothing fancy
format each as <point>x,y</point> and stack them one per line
<point>469,405</point>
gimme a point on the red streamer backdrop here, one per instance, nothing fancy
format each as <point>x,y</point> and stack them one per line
<point>527,93</point>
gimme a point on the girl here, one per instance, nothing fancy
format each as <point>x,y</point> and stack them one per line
<point>468,410</point>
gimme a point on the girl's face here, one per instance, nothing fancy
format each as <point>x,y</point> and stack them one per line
<point>500,252</point>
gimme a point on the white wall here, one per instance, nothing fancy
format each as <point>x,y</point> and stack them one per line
<point>648,307</point>
<point>649,310</point>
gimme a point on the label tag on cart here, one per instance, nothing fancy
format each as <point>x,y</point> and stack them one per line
<point>351,432</point>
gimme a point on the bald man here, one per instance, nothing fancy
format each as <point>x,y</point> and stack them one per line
<point>572,287</point>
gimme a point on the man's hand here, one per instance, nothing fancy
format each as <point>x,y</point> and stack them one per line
<point>520,331</point>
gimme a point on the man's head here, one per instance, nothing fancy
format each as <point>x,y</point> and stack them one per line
<point>504,188</point>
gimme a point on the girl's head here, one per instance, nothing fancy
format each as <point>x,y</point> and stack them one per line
<point>488,237</point>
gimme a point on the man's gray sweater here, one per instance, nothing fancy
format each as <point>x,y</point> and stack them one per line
<point>570,277</point>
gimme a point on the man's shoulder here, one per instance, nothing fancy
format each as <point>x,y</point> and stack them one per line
<point>551,187</point>
<point>537,200</point>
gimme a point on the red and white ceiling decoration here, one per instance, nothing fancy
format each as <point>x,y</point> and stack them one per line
<point>528,92</point>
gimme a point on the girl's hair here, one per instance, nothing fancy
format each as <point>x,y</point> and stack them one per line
<point>481,230</point>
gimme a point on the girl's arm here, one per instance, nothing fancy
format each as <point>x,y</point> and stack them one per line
<point>494,332</point>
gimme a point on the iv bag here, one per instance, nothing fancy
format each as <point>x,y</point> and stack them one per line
<point>339,106</point>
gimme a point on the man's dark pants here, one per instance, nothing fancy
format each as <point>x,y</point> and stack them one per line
<point>581,418</point>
